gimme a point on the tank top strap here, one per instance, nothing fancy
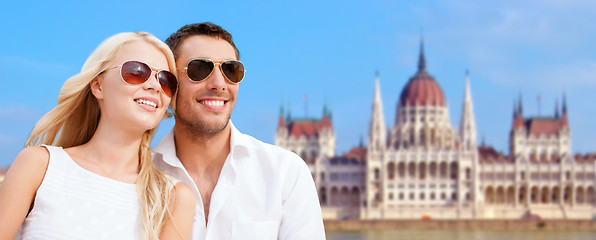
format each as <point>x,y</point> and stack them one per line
<point>59,159</point>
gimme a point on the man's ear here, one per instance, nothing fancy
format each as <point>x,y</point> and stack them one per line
<point>96,88</point>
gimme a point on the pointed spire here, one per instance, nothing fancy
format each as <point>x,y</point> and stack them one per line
<point>468,96</point>
<point>289,114</point>
<point>564,120</point>
<point>282,122</point>
<point>514,109</point>
<point>468,122</point>
<point>557,109</point>
<point>519,109</point>
<point>361,141</point>
<point>377,88</point>
<point>376,137</point>
<point>564,104</point>
<point>421,59</point>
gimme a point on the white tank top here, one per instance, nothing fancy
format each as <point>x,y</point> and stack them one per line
<point>75,203</point>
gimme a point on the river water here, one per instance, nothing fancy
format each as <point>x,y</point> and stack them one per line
<point>466,234</point>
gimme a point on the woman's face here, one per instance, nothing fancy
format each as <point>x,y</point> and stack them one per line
<point>132,106</point>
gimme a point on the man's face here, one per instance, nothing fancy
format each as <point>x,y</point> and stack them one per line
<point>205,107</point>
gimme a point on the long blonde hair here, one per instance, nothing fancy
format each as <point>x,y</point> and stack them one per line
<point>75,118</point>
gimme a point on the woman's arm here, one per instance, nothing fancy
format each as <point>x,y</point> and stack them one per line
<point>182,211</point>
<point>19,187</point>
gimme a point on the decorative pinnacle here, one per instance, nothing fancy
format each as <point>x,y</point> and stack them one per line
<point>421,59</point>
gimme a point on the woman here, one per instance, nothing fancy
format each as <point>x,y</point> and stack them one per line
<point>98,181</point>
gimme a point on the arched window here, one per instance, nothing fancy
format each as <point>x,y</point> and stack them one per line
<point>391,170</point>
<point>454,170</point>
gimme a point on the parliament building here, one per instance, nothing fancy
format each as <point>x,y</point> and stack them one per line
<point>422,167</point>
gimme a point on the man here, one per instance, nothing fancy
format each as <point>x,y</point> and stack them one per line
<point>245,189</point>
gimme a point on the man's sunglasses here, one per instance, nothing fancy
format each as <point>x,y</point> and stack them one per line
<point>134,72</point>
<point>201,68</point>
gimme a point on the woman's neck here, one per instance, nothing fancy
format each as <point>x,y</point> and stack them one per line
<point>113,152</point>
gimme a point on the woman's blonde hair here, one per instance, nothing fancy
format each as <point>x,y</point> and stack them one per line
<point>75,118</point>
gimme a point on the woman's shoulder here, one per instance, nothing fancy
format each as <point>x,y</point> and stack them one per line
<point>183,194</point>
<point>35,155</point>
<point>29,167</point>
<point>182,189</point>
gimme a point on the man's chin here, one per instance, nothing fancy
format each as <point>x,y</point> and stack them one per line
<point>201,128</point>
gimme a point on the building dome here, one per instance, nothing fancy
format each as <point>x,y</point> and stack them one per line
<point>422,89</point>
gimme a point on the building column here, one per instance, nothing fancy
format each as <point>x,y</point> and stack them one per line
<point>516,195</point>
<point>561,195</point>
<point>328,192</point>
<point>528,195</point>
<point>573,194</point>
<point>448,170</point>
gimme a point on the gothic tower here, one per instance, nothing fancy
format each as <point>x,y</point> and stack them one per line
<point>375,150</point>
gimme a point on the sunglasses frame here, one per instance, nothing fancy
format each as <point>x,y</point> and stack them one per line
<point>153,70</point>
<point>220,62</point>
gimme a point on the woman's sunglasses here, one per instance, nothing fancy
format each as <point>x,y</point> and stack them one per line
<point>201,68</point>
<point>134,72</point>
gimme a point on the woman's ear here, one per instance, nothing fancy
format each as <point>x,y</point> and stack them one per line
<point>96,88</point>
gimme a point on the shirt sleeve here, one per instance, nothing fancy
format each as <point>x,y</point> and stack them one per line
<point>301,217</point>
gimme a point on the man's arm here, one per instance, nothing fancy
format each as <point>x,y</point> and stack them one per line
<point>301,218</point>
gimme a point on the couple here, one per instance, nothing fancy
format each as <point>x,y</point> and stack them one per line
<point>88,171</point>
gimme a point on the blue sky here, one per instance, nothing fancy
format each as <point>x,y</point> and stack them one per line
<point>329,51</point>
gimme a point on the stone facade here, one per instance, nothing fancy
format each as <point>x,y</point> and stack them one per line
<point>423,168</point>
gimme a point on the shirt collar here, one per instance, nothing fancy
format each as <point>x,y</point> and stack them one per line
<point>238,147</point>
<point>238,143</point>
<point>167,149</point>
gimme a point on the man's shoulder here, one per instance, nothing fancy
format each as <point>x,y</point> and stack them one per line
<point>271,154</point>
<point>257,146</point>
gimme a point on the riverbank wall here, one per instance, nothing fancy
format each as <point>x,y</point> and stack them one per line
<point>457,224</point>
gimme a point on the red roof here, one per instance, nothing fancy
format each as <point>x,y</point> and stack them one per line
<point>487,154</point>
<point>422,90</point>
<point>590,157</point>
<point>518,121</point>
<point>357,152</point>
<point>282,122</point>
<point>543,126</point>
<point>307,128</point>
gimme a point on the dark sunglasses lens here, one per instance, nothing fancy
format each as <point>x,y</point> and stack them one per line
<point>234,70</point>
<point>168,82</point>
<point>135,72</point>
<point>199,69</point>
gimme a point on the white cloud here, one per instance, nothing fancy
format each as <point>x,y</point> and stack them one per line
<point>19,113</point>
<point>540,44</point>
<point>4,140</point>
<point>43,67</point>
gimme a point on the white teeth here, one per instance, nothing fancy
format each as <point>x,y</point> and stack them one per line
<point>146,102</point>
<point>215,103</point>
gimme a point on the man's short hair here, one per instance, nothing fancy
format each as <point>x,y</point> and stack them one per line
<point>199,29</point>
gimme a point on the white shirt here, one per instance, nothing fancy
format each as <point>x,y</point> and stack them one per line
<point>263,192</point>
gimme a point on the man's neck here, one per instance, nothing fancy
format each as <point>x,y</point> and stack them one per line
<point>201,153</point>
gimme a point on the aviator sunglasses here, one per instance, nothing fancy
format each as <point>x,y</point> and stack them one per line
<point>134,72</point>
<point>201,68</point>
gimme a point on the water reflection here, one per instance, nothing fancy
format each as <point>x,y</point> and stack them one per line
<point>465,234</point>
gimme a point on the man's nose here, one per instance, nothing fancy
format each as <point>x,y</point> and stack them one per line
<point>216,81</point>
